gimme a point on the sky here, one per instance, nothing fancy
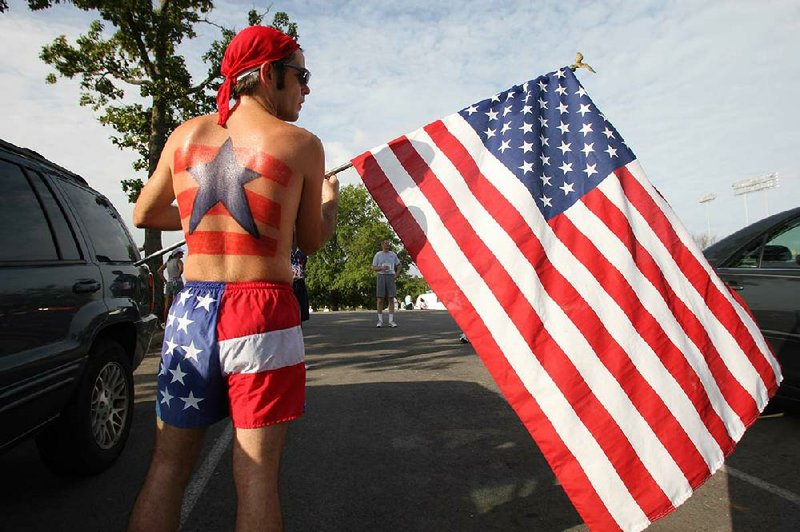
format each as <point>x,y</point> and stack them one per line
<point>704,92</point>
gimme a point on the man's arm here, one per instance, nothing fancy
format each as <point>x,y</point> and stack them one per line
<point>154,208</point>
<point>319,202</point>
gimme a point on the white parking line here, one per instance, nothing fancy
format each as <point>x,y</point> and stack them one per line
<point>764,485</point>
<point>203,473</point>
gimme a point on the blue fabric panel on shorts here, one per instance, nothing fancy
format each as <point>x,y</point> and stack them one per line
<point>192,391</point>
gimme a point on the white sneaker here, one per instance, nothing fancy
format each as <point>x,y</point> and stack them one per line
<point>379,325</point>
<point>392,324</point>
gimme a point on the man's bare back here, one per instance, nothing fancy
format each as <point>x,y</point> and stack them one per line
<point>244,192</point>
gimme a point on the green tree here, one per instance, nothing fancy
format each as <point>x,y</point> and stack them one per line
<point>139,51</point>
<point>339,275</point>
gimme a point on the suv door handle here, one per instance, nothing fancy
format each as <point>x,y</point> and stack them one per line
<point>86,286</point>
<point>734,285</point>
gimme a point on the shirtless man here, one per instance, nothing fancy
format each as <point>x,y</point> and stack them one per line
<point>245,180</point>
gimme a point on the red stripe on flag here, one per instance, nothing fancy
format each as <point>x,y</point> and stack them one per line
<point>645,399</point>
<point>592,413</point>
<point>263,209</point>
<point>227,243</point>
<point>573,479</point>
<point>738,398</point>
<point>618,288</point>
<point>699,278</point>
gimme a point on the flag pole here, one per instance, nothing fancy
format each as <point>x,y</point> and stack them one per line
<point>340,168</point>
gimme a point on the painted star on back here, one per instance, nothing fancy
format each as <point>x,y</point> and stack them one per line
<point>223,180</point>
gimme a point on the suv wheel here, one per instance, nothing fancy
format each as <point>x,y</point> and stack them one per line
<point>93,428</point>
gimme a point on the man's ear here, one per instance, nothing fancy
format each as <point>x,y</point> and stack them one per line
<point>267,73</point>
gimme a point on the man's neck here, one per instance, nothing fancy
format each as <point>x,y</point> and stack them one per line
<point>257,102</point>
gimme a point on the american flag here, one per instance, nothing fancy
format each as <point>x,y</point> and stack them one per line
<point>632,365</point>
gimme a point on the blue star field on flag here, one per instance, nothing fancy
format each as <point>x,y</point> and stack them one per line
<point>551,136</point>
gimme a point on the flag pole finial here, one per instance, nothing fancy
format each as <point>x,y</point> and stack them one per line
<point>580,64</point>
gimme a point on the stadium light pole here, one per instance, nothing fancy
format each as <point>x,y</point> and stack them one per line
<point>754,184</point>
<point>708,198</point>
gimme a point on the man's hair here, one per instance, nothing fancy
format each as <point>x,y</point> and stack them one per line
<point>249,83</point>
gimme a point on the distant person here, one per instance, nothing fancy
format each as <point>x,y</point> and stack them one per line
<point>387,265</point>
<point>299,260</point>
<point>172,274</point>
<point>247,181</point>
<point>408,304</point>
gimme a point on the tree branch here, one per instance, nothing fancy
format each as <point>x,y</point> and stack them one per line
<point>202,85</point>
<point>136,34</point>
<point>212,23</point>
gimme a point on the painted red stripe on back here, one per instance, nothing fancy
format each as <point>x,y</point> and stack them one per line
<point>269,167</point>
<point>573,479</point>
<point>600,423</point>
<point>263,209</point>
<point>226,243</point>
<point>192,155</point>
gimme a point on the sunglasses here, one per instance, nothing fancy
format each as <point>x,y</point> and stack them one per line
<point>304,75</point>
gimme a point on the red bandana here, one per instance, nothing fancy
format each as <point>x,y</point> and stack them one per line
<point>251,47</point>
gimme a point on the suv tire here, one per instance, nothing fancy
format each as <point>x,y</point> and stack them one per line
<point>93,428</point>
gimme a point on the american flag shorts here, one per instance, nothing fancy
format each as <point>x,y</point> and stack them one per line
<point>232,348</point>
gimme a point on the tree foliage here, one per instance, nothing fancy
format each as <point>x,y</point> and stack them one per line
<point>339,275</point>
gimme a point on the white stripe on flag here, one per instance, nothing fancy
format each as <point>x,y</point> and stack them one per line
<point>578,439</point>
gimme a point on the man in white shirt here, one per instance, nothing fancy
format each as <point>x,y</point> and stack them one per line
<point>387,265</point>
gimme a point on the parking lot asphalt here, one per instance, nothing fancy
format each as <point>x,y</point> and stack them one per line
<point>404,430</point>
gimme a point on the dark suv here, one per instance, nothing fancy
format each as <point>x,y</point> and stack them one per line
<point>76,315</point>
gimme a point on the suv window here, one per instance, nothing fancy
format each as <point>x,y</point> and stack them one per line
<point>783,249</point>
<point>108,234</point>
<point>26,234</point>
<point>65,238</point>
